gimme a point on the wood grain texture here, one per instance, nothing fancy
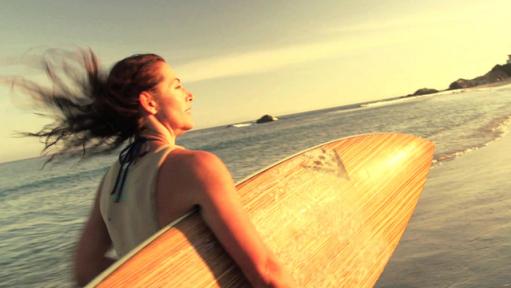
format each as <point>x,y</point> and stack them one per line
<point>332,214</point>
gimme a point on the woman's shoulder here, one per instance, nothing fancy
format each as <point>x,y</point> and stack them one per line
<point>195,171</point>
<point>188,160</point>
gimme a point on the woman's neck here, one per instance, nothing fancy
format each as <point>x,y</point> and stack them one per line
<point>156,139</point>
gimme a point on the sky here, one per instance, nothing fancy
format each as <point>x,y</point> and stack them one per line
<point>244,59</point>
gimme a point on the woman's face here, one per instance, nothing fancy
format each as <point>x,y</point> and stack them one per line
<point>174,102</point>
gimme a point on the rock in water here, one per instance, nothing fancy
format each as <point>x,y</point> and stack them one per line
<point>424,91</point>
<point>266,118</point>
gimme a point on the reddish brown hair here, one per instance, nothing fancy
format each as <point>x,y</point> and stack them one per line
<point>91,110</point>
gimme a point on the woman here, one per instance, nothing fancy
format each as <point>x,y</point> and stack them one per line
<point>143,100</point>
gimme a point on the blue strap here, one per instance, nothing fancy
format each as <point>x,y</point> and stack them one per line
<point>126,158</point>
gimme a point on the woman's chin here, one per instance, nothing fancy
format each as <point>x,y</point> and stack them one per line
<point>184,129</point>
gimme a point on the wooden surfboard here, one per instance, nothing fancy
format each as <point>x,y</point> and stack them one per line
<point>332,214</point>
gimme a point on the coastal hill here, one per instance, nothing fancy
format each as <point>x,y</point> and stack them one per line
<point>496,74</point>
<point>499,73</point>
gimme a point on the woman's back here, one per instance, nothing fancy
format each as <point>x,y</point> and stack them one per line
<point>130,214</point>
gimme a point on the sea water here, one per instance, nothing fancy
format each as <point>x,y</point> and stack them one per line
<point>43,210</point>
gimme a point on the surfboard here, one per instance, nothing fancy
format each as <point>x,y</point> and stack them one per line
<point>332,214</point>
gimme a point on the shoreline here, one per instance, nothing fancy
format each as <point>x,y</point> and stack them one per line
<point>500,84</point>
<point>459,233</point>
<point>504,127</point>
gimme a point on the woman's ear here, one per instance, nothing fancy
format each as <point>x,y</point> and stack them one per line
<point>148,102</point>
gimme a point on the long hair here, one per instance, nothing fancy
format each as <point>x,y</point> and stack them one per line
<point>91,110</point>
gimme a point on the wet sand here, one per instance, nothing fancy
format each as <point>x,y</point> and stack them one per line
<point>460,234</point>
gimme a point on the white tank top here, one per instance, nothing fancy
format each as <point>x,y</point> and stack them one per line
<point>133,218</point>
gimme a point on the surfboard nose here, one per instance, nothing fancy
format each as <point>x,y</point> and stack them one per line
<point>396,152</point>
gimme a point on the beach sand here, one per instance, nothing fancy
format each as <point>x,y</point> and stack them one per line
<point>460,234</point>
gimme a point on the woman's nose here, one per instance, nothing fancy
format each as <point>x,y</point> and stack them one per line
<point>189,95</point>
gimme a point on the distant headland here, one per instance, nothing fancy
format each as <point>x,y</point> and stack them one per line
<point>498,74</point>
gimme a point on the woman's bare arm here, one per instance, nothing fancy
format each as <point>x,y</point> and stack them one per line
<point>89,258</point>
<point>214,191</point>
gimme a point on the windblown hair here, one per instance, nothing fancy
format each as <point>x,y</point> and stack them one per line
<point>90,109</point>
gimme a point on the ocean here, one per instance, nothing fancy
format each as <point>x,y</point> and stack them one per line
<point>42,210</point>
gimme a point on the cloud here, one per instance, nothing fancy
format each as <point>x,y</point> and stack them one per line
<point>344,39</point>
<point>259,61</point>
<point>406,22</point>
